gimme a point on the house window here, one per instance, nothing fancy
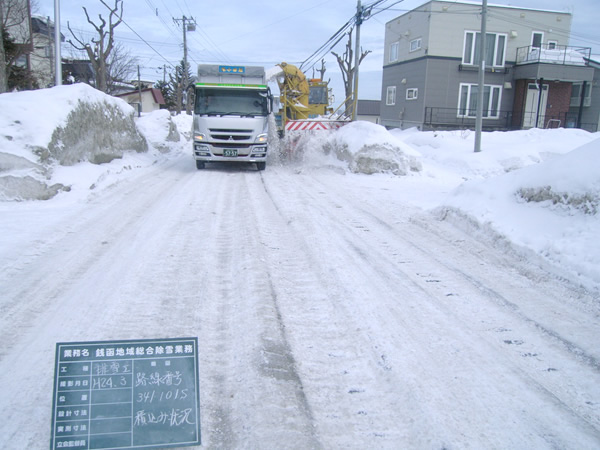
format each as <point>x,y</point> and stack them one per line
<point>393,52</point>
<point>467,100</point>
<point>576,94</point>
<point>537,38</point>
<point>390,98</point>
<point>415,45</point>
<point>552,45</point>
<point>411,94</point>
<point>495,48</point>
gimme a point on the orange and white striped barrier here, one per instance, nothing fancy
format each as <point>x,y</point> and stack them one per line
<point>314,125</point>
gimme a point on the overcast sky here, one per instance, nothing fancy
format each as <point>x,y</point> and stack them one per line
<point>268,32</point>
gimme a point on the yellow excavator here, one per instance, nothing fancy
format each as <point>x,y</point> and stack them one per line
<point>300,97</point>
<point>305,103</point>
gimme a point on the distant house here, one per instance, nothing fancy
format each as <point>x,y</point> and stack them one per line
<point>151,99</point>
<point>532,75</point>
<point>16,22</point>
<point>368,110</point>
<point>43,55</point>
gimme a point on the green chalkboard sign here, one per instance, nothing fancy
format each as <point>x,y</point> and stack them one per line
<point>126,394</point>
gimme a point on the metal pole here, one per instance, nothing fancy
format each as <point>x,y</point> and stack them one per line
<point>481,78</point>
<point>57,41</point>
<point>540,83</point>
<point>356,57</point>
<point>139,91</point>
<point>581,104</point>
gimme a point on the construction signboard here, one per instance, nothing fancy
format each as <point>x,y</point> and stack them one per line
<point>126,394</point>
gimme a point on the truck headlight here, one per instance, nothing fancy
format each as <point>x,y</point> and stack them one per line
<point>261,138</point>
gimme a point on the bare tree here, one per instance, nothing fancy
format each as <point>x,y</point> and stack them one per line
<point>346,62</point>
<point>3,75</point>
<point>15,29</point>
<point>120,67</point>
<point>99,50</point>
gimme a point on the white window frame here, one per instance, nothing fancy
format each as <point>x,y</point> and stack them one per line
<point>390,98</point>
<point>469,108</point>
<point>412,93</point>
<point>576,99</point>
<point>552,45</point>
<point>394,50</point>
<point>471,44</point>
<point>415,45</point>
<point>533,34</point>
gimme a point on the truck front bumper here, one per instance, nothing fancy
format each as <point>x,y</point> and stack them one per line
<point>219,153</point>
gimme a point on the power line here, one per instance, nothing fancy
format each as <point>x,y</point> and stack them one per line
<point>143,40</point>
<point>326,47</point>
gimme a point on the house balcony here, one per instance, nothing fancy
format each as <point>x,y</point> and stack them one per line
<point>554,54</point>
<point>553,62</point>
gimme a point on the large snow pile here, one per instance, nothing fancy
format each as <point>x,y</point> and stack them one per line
<point>453,151</point>
<point>359,147</point>
<point>551,208</point>
<point>63,126</point>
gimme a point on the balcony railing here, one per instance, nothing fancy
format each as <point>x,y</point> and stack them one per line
<point>454,119</point>
<point>554,54</point>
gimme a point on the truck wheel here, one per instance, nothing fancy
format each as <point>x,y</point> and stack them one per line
<point>261,165</point>
<point>199,165</point>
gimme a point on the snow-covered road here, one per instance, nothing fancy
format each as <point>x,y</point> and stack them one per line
<point>326,318</point>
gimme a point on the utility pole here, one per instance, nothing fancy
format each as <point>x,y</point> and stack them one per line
<point>481,84</point>
<point>359,21</point>
<point>189,24</point>
<point>57,41</point>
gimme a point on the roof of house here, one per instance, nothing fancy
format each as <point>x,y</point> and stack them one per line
<point>44,26</point>
<point>490,5</point>
<point>156,94</point>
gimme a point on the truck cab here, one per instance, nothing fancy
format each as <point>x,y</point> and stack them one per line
<point>231,113</point>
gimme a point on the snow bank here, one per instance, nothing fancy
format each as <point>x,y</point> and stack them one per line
<point>63,125</point>
<point>159,129</point>
<point>551,208</point>
<point>361,147</point>
<point>502,151</point>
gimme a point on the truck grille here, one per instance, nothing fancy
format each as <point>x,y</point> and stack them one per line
<point>222,134</point>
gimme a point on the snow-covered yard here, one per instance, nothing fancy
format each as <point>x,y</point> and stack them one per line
<point>379,289</point>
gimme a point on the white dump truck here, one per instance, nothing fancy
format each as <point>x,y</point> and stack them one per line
<point>231,115</point>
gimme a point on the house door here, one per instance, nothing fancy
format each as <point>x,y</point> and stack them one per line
<point>533,116</point>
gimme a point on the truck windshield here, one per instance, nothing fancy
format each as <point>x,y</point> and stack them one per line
<point>242,102</point>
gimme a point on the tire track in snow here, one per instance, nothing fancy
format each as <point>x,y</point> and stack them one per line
<point>352,227</point>
<point>350,382</point>
<point>252,393</point>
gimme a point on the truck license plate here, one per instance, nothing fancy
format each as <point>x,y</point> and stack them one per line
<point>230,152</point>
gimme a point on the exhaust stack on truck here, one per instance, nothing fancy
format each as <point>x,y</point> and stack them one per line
<point>231,115</point>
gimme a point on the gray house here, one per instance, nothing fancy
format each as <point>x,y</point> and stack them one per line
<point>533,78</point>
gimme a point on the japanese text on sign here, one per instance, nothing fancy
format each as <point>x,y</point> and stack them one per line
<point>126,394</point>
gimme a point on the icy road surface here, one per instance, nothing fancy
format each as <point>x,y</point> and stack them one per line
<point>326,318</point>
